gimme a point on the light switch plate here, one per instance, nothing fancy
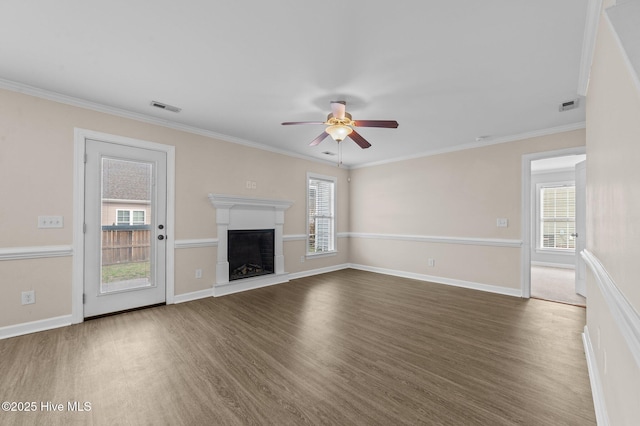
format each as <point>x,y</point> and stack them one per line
<point>50,222</point>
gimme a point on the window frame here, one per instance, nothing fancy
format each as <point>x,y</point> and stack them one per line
<point>333,228</point>
<point>539,226</point>
<point>131,212</point>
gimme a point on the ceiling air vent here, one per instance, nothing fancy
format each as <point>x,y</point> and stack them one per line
<point>566,106</point>
<point>165,106</point>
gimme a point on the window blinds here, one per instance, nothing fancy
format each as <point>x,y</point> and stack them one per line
<point>321,215</point>
<point>558,217</point>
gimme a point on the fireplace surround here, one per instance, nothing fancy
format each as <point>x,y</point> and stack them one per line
<point>238,213</point>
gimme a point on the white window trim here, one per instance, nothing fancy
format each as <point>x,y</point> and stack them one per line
<point>333,252</point>
<point>539,248</point>
<point>144,214</point>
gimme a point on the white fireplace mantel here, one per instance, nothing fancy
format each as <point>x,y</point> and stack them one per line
<point>235,212</point>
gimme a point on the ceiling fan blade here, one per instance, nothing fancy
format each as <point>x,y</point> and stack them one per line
<point>319,139</point>
<point>287,123</point>
<point>391,124</point>
<point>338,108</point>
<point>359,140</point>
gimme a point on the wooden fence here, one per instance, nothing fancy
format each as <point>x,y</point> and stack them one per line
<point>125,244</point>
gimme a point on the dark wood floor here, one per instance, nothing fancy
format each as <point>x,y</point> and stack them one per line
<point>345,348</point>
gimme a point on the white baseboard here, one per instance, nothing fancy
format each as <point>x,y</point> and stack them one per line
<point>602,419</point>
<point>554,265</point>
<point>318,271</point>
<point>34,326</point>
<point>194,295</point>
<point>515,292</point>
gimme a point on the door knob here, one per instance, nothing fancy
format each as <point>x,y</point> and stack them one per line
<point>574,235</point>
<point>161,237</point>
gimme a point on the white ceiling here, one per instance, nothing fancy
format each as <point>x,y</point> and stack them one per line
<point>447,71</point>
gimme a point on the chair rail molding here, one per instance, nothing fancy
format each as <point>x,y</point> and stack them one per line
<point>623,313</point>
<point>20,253</point>
<point>497,242</point>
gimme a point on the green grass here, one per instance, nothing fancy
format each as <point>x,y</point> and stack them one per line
<point>125,271</point>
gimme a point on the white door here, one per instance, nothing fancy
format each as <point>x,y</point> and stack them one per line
<point>125,235</point>
<point>581,227</point>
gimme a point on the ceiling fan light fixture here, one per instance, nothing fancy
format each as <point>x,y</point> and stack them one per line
<point>338,131</point>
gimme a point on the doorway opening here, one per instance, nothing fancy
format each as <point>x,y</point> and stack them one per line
<point>553,210</point>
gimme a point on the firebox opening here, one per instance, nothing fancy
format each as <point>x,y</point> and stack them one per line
<point>250,253</point>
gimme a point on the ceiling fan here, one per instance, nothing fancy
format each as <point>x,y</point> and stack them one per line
<point>340,125</point>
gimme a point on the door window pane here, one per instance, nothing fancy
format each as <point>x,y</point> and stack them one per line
<point>126,231</point>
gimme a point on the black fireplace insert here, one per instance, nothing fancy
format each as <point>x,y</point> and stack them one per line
<point>250,253</point>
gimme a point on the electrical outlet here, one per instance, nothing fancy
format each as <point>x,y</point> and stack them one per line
<point>50,222</point>
<point>28,297</point>
<point>432,262</point>
<point>502,222</point>
<point>301,259</point>
<point>198,273</point>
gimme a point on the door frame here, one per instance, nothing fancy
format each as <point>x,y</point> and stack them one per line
<point>525,192</point>
<point>77,283</point>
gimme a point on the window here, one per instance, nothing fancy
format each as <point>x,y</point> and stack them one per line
<point>320,214</point>
<point>557,217</point>
<point>130,217</point>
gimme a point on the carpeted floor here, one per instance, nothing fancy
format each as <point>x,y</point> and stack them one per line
<point>556,284</point>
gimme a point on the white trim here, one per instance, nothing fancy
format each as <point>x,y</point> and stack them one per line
<point>318,271</point>
<point>321,254</point>
<point>246,284</point>
<point>496,242</point>
<point>343,234</point>
<point>625,316</point>
<point>625,57</point>
<point>294,237</point>
<point>487,142</point>
<point>599,405</point>
<point>77,285</point>
<point>526,195</point>
<point>515,292</point>
<point>229,201</point>
<point>588,44</point>
<point>194,295</point>
<point>213,242</point>
<point>36,252</point>
<point>196,243</point>
<point>81,103</point>
<point>554,265</point>
<point>34,326</point>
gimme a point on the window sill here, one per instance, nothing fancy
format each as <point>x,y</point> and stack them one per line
<point>321,254</point>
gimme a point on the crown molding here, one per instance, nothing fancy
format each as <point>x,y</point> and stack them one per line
<point>588,45</point>
<point>119,112</point>
<point>94,106</point>
<point>488,142</point>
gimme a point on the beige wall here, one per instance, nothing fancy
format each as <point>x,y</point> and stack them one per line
<point>36,173</point>
<point>613,219</point>
<point>458,194</point>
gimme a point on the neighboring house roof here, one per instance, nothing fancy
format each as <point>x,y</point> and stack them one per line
<point>126,180</point>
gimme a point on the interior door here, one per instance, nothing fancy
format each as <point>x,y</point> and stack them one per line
<point>581,227</point>
<point>125,235</point>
